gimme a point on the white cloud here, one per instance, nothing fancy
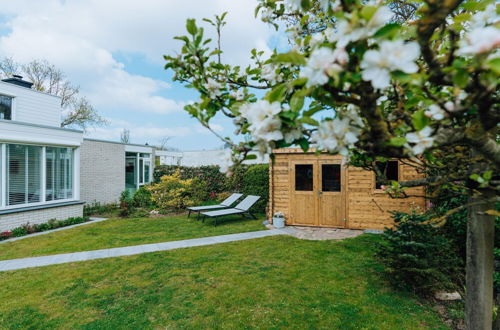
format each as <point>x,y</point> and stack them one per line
<point>148,133</point>
<point>86,38</point>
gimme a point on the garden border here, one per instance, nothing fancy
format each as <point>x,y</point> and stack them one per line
<point>92,220</point>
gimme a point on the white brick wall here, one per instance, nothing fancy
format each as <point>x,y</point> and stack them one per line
<point>102,171</point>
<point>13,220</point>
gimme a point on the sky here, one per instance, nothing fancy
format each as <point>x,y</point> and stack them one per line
<point>113,49</point>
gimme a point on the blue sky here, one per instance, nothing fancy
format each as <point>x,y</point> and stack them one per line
<point>113,49</point>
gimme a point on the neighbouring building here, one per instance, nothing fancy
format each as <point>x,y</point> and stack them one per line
<point>108,168</point>
<point>200,158</point>
<point>39,161</point>
<point>320,190</point>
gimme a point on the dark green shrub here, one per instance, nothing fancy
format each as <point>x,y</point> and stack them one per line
<point>418,257</point>
<point>215,180</point>
<point>19,231</point>
<point>28,228</point>
<point>256,182</point>
<point>142,198</point>
<point>98,208</point>
<point>126,204</point>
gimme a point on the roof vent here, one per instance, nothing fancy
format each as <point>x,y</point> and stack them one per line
<point>18,80</point>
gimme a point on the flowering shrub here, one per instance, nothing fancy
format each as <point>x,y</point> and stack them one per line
<point>371,80</point>
<point>28,228</point>
<point>174,193</point>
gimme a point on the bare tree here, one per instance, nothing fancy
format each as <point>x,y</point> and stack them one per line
<point>125,136</point>
<point>77,110</point>
<point>8,67</point>
<point>163,142</point>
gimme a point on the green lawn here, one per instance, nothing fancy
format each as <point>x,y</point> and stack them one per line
<point>124,232</point>
<point>269,283</point>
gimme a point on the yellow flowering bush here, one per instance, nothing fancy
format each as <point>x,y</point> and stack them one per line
<point>174,193</point>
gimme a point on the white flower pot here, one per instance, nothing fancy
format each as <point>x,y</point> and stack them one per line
<point>278,222</point>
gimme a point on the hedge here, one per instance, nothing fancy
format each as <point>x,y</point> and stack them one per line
<point>247,179</point>
<point>211,175</point>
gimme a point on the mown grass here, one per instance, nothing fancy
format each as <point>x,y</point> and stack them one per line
<point>124,232</point>
<point>269,283</point>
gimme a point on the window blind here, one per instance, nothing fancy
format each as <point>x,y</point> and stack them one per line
<point>23,174</point>
<point>59,173</point>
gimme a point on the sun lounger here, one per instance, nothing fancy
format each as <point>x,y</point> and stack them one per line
<point>242,208</point>
<point>224,204</point>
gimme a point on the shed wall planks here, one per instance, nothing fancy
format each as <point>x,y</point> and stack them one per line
<point>366,207</point>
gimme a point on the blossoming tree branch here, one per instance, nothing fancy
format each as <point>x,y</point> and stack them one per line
<point>411,80</point>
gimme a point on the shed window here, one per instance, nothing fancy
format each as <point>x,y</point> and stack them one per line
<point>304,177</point>
<point>5,107</point>
<point>330,177</point>
<point>389,170</point>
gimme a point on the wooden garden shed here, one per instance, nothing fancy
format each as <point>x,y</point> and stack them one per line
<point>320,190</point>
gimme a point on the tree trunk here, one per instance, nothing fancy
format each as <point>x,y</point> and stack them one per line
<point>479,267</point>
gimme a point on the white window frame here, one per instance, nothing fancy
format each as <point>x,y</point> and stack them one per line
<point>43,178</point>
<point>13,106</point>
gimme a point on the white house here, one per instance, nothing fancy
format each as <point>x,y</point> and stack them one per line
<point>48,172</point>
<point>108,168</point>
<point>39,161</point>
<point>200,158</point>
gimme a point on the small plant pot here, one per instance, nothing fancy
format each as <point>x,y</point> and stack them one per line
<point>279,222</point>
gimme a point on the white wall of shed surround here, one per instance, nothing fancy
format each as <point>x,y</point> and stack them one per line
<point>30,106</point>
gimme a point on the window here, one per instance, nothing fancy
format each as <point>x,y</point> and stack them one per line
<point>137,169</point>
<point>304,177</point>
<point>330,177</point>
<point>23,174</point>
<point>59,173</point>
<point>5,107</point>
<point>389,170</point>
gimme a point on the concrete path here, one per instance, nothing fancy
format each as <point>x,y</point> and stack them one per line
<point>14,264</point>
<point>93,220</point>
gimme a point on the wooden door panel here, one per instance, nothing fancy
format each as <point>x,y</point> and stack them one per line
<point>303,191</point>
<point>332,212</point>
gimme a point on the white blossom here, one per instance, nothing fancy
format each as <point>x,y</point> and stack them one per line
<point>264,123</point>
<point>450,106</point>
<point>213,87</point>
<point>391,56</point>
<point>422,140</point>
<point>479,41</point>
<point>293,135</point>
<point>320,65</point>
<point>293,5</point>
<point>336,135</point>
<point>348,31</point>
<point>435,112</point>
<point>238,95</point>
<point>269,73</point>
<point>266,15</point>
<point>227,162</point>
<point>487,16</point>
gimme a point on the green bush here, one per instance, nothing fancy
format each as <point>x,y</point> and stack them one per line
<point>126,203</point>
<point>98,208</point>
<point>142,198</point>
<point>418,257</point>
<point>211,175</point>
<point>256,182</point>
<point>174,193</point>
<point>209,182</point>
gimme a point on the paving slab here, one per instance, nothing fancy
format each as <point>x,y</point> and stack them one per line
<point>23,263</point>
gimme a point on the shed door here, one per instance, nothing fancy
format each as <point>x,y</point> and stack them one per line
<point>332,211</point>
<point>304,187</point>
<point>317,193</point>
